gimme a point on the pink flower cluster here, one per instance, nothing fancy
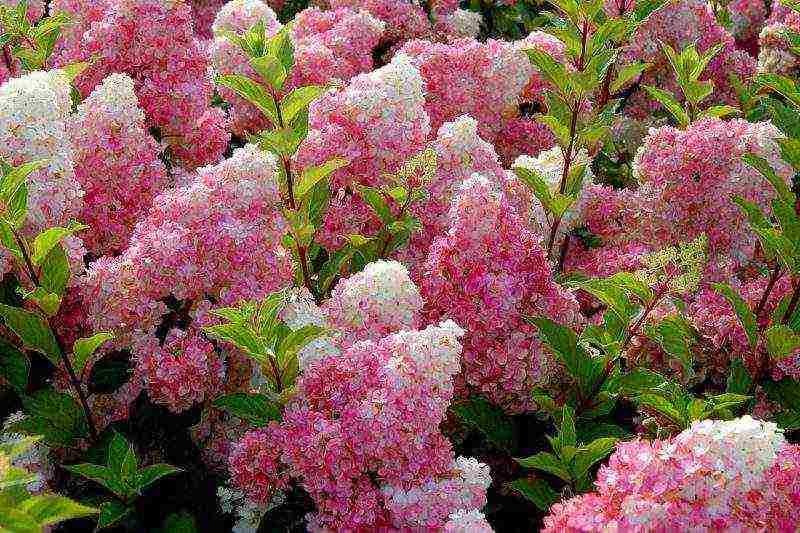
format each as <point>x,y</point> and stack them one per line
<point>376,123</point>
<point>488,272</point>
<point>168,65</point>
<point>215,240</point>
<point>329,46</point>
<point>362,437</point>
<point>689,177</point>
<point>680,23</point>
<point>483,80</point>
<point>739,475</point>
<point>116,163</point>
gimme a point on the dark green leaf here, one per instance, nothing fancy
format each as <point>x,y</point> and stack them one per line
<point>488,419</point>
<point>257,409</point>
<point>536,491</point>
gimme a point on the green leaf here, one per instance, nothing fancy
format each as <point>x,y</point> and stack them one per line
<point>536,183</point>
<point>546,462</point>
<point>765,169</point>
<point>313,175</point>
<point>54,274</point>
<point>626,74</point>
<point>721,111</point>
<point>663,406</point>
<point>240,336</point>
<point>670,104</point>
<point>149,475</point>
<point>674,335</point>
<point>54,415</point>
<point>14,366</point>
<point>49,238</point>
<point>257,409</point>
<point>83,349</point>
<point>270,69</point>
<point>589,455</point>
<point>633,285</point>
<point>281,46</point>
<point>179,523</point>
<point>102,475</point>
<point>112,512</point>
<point>109,373</point>
<point>552,70</point>
<point>34,331</point>
<point>488,419</point>
<point>739,380</point>
<point>298,100</point>
<point>781,341</point>
<point>537,491</point>
<point>253,92</point>
<point>377,202</point>
<point>746,317</point>
<point>49,509</point>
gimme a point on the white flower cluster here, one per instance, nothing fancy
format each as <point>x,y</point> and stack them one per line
<point>33,127</point>
<point>465,23</point>
<point>549,164</point>
<point>741,449</point>
<point>240,15</point>
<point>463,521</point>
<point>249,174</point>
<point>116,99</point>
<point>434,351</point>
<point>381,297</point>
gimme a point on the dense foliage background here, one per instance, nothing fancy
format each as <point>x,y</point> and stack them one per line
<point>399,265</point>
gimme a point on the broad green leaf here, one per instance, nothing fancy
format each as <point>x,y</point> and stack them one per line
<point>257,409</point>
<point>14,366</point>
<point>633,285</point>
<point>83,349</point>
<point>721,111</point>
<point>253,92</point>
<point>626,74</point>
<point>270,69</point>
<point>112,512</point>
<point>150,474</point>
<point>54,273</point>
<point>552,70</point>
<point>49,238</point>
<point>536,183</point>
<point>546,462</point>
<point>766,170</point>
<point>377,202</point>
<point>298,100</point>
<point>536,491</point>
<point>486,418</point>
<point>34,331</point>
<point>746,317</point>
<point>313,175</point>
<point>589,455</point>
<point>101,475</point>
<point>670,104</point>
<point>739,380</point>
<point>56,416</point>
<point>280,46</point>
<point>674,335</point>
<point>240,336</point>
<point>179,523</point>
<point>662,405</point>
<point>781,341</point>
<point>49,509</point>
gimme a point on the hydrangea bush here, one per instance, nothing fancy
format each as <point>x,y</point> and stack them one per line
<point>399,265</point>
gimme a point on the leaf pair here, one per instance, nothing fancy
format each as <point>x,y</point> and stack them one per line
<point>123,477</point>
